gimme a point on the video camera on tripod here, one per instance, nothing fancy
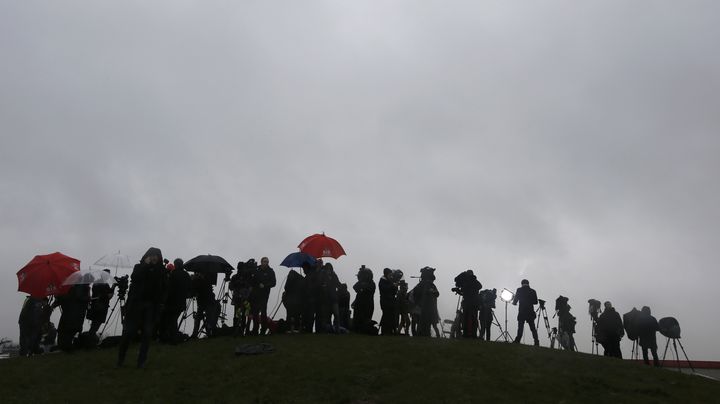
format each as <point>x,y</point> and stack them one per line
<point>122,283</point>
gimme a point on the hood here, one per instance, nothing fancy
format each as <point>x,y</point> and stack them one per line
<point>152,251</point>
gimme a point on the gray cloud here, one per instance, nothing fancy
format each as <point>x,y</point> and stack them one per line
<point>573,144</point>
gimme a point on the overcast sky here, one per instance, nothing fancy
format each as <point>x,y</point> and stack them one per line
<point>571,143</point>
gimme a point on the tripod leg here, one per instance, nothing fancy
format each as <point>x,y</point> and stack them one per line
<point>665,353</point>
<point>686,357</point>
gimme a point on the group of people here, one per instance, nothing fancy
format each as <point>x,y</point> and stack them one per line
<point>609,328</point>
<point>315,301</point>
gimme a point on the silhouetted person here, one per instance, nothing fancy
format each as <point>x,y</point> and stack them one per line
<point>470,289</point>
<point>566,323</point>
<point>179,290</point>
<point>311,297</point>
<point>425,295</point>
<point>30,323</point>
<point>610,331</point>
<point>364,304</point>
<point>388,295</point>
<point>403,309</point>
<point>329,309</point>
<point>647,335</point>
<point>99,305</point>
<point>206,307</point>
<point>527,297</point>
<point>146,295</point>
<point>344,306</point>
<point>262,281</point>
<point>74,305</point>
<point>485,316</point>
<point>292,299</point>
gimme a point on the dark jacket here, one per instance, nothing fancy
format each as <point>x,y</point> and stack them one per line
<point>527,299</point>
<point>101,295</point>
<point>329,283</point>
<point>388,294</point>
<point>647,330</point>
<point>294,290</point>
<point>179,288</point>
<point>148,282</point>
<point>266,277</point>
<point>609,326</point>
<point>425,295</point>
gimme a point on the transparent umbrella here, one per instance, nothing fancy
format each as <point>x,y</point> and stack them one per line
<point>88,276</point>
<point>115,260</point>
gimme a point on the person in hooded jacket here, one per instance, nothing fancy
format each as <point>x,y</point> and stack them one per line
<point>147,293</point>
<point>329,309</point>
<point>610,331</point>
<point>647,335</point>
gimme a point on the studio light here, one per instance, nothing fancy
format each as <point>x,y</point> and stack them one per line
<point>506,296</point>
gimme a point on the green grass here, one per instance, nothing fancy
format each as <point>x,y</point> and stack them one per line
<point>347,369</point>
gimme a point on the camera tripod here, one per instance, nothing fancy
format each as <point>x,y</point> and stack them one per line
<point>551,332</point>
<point>114,320</point>
<point>676,341</point>
<point>504,334</point>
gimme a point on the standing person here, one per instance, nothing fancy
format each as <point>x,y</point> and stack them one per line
<point>647,336</point>
<point>487,304</point>
<point>344,307</point>
<point>388,295</point>
<point>527,297</point>
<point>74,305</point>
<point>30,323</point>
<point>206,304</point>
<point>329,310</point>
<point>425,295</point>
<point>610,331</point>
<point>179,289</point>
<point>240,288</point>
<point>469,287</point>
<point>364,304</point>
<point>262,281</point>
<point>102,293</point>
<point>403,308</point>
<point>292,298</point>
<point>145,297</point>
<point>310,297</point>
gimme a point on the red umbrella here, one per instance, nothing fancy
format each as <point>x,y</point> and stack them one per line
<point>320,245</point>
<point>44,275</point>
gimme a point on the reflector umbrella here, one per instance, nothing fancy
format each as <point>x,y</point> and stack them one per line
<point>297,259</point>
<point>320,245</point>
<point>44,275</point>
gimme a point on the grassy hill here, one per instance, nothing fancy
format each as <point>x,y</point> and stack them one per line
<point>347,369</point>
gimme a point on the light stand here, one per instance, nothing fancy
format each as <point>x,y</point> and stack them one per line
<point>506,296</point>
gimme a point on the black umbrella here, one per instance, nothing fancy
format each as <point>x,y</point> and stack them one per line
<point>209,264</point>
